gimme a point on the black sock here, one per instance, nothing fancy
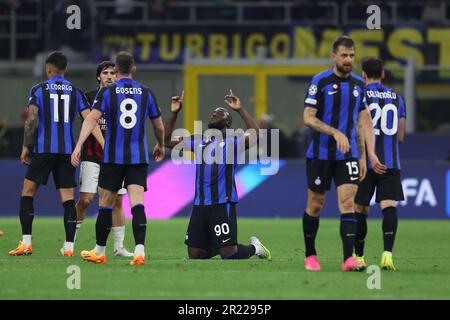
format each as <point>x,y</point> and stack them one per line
<point>348,231</point>
<point>389,227</point>
<point>103,225</point>
<point>70,220</point>
<point>310,227</point>
<point>139,223</point>
<point>26,214</point>
<point>361,233</point>
<point>243,252</point>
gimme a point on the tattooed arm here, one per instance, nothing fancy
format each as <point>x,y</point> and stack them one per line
<point>310,119</point>
<point>360,135</point>
<point>28,133</point>
<point>360,140</point>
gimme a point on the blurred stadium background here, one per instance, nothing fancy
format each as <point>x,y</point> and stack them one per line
<point>267,52</point>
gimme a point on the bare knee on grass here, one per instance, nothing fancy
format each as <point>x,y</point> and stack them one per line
<point>227,251</point>
<point>196,253</point>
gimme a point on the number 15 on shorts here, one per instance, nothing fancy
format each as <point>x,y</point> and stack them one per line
<point>353,170</point>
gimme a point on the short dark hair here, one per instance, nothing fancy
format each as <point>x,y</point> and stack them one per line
<point>57,59</point>
<point>373,67</point>
<point>227,113</point>
<point>103,66</point>
<point>124,62</point>
<point>345,41</point>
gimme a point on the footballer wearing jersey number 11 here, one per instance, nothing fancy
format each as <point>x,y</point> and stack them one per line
<point>51,111</point>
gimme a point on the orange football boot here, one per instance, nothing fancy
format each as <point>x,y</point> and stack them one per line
<point>139,260</point>
<point>22,250</point>
<point>90,256</point>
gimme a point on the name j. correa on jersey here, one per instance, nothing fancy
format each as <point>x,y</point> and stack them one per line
<point>381,95</point>
<point>55,86</point>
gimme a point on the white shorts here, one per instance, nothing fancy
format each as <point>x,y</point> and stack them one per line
<point>89,172</point>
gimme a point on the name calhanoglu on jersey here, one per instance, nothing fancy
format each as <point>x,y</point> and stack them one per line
<point>381,95</point>
<point>55,86</point>
<point>129,90</point>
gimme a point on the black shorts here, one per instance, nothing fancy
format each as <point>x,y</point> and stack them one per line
<point>389,187</point>
<point>114,177</point>
<point>59,164</point>
<point>320,173</point>
<point>212,227</point>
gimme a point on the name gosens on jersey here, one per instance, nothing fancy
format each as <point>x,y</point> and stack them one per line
<point>126,104</point>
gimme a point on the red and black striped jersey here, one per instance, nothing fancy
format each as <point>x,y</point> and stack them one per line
<point>92,150</point>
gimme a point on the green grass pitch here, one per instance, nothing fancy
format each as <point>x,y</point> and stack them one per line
<point>421,256</point>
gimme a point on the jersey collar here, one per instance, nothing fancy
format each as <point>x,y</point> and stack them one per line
<point>56,78</point>
<point>374,85</point>
<point>125,80</point>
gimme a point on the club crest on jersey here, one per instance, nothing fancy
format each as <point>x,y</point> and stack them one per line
<point>312,89</point>
<point>355,92</point>
<point>318,181</point>
<point>335,86</point>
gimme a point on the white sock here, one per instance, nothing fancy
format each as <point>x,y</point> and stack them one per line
<point>99,250</point>
<point>119,236</point>
<point>76,229</point>
<point>258,249</point>
<point>139,250</point>
<point>68,246</point>
<point>26,239</point>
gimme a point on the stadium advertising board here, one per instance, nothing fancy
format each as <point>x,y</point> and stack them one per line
<point>426,185</point>
<point>428,45</point>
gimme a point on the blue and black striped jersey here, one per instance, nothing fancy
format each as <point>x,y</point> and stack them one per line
<point>57,100</point>
<point>386,108</point>
<point>126,105</point>
<point>214,180</point>
<point>338,102</point>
